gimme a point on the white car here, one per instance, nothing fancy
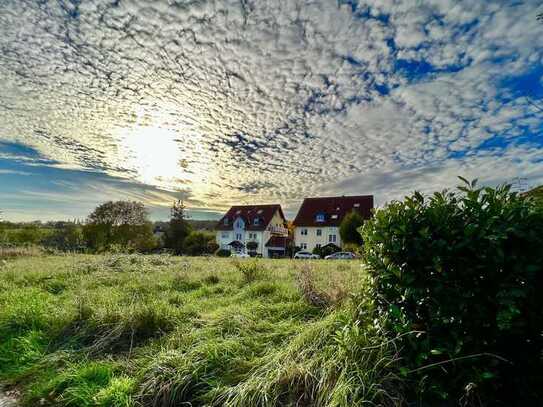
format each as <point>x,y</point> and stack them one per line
<point>240,255</point>
<point>341,256</point>
<point>306,255</point>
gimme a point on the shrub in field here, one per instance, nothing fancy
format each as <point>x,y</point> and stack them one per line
<point>250,270</point>
<point>198,243</point>
<point>460,276</point>
<point>222,253</point>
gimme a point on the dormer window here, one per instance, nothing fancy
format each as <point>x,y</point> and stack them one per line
<point>226,221</point>
<point>256,221</point>
<point>320,217</point>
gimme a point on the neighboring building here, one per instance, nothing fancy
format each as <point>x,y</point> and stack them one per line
<point>317,222</point>
<point>254,229</point>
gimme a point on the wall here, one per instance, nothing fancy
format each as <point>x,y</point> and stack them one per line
<point>312,239</point>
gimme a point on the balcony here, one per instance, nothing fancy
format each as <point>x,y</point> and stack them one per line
<point>278,230</point>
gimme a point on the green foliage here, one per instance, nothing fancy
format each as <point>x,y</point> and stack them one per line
<point>251,270</point>
<point>120,225</point>
<point>199,243</point>
<point>326,250</point>
<point>178,229</point>
<point>68,238</point>
<point>144,330</point>
<point>460,276</point>
<point>223,253</point>
<point>349,228</point>
<point>536,194</point>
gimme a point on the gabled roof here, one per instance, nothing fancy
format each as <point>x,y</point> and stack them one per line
<point>264,214</point>
<point>332,209</point>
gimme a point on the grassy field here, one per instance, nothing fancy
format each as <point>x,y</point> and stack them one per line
<point>129,330</point>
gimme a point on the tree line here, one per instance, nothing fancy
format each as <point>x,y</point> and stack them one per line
<point>122,226</point>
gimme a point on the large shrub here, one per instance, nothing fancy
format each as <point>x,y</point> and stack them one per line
<point>459,276</point>
<point>198,243</point>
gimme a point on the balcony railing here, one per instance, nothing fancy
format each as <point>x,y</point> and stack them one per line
<point>278,230</point>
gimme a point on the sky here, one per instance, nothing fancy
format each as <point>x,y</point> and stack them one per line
<point>250,101</point>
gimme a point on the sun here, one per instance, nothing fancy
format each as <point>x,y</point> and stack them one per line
<point>153,153</point>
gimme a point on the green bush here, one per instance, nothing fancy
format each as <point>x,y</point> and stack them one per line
<point>222,253</point>
<point>326,250</point>
<point>198,243</point>
<point>459,276</point>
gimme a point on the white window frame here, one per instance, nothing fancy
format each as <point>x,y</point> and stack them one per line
<point>303,246</point>
<point>332,238</point>
<point>303,232</point>
<point>319,232</point>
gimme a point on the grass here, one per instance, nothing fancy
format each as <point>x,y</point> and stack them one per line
<point>129,330</point>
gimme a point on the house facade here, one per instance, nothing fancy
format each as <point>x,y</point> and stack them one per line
<point>254,229</point>
<point>317,222</point>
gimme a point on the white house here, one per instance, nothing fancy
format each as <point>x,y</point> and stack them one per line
<point>317,222</point>
<point>254,229</point>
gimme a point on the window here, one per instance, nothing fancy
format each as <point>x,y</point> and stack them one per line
<point>318,245</point>
<point>303,246</point>
<point>226,221</point>
<point>257,221</point>
<point>319,232</point>
<point>225,235</point>
<point>332,238</point>
<point>238,236</point>
<point>252,236</point>
<point>303,232</point>
<point>320,217</point>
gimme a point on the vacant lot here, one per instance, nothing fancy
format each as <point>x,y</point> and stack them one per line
<point>125,330</point>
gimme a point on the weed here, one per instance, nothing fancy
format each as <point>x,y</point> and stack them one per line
<point>251,270</point>
<point>308,288</point>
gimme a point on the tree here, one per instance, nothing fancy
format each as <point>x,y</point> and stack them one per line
<point>198,243</point>
<point>348,229</point>
<point>178,229</point>
<point>68,236</point>
<point>121,224</point>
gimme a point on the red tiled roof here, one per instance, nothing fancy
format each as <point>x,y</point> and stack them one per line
<point>333,209</point>
<point>278,241</point>
<point>249,213</point>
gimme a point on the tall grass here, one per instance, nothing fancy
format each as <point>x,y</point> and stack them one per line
<point>160,331</point>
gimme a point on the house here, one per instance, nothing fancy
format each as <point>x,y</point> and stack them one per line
<point>317,222</point>
<point>254,229</point>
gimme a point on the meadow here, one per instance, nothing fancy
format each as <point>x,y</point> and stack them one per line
<point>156,330</point>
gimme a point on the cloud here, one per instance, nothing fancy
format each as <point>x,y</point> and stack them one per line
<point>279,100</point>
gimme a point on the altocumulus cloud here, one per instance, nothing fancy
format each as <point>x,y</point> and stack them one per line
<point>275,100</point>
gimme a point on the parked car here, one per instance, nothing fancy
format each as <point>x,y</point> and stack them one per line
<point>240,255</point>
<point>306,255</point>
<point>341,256</point>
